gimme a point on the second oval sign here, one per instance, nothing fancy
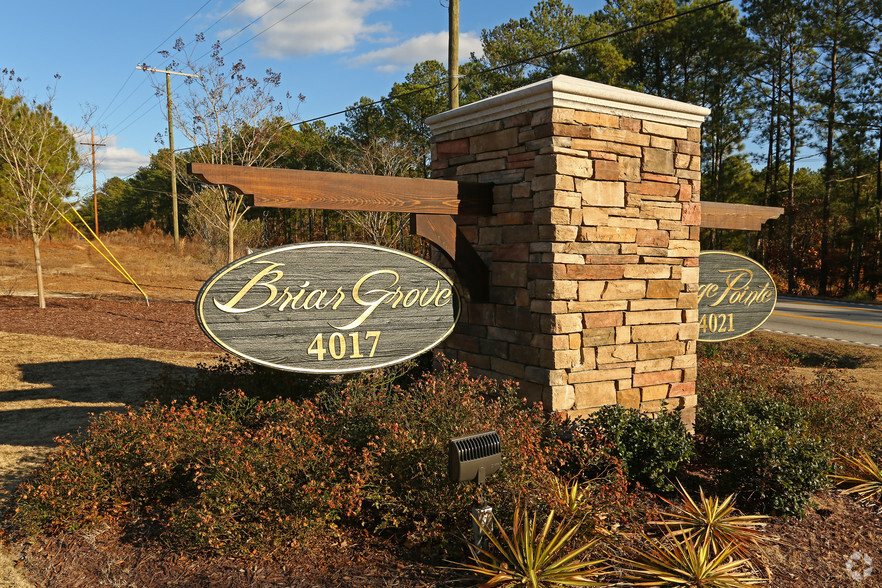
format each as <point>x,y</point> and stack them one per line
<point>328,307</point>
<point>735,295</point>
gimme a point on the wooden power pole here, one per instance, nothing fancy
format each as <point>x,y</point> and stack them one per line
<point>453,53</point>
<point>171,143</point>
<point>94,177</point>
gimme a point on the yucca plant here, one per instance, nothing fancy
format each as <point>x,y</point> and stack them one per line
<point>571,495</point>
<point>533,556</point>
<point>688,563</point>
<point>715,522</point>
<point>860,475</point>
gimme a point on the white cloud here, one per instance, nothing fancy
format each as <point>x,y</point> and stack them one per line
<point>110,160</point>
<point>113,160</point>
<point>416,49</point>
<point>321,26</point>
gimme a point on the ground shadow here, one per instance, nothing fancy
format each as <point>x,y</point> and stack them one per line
<point>842,360</point>
<point>57,409</point>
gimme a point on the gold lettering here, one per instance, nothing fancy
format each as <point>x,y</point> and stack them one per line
<point>321,296</point>
<point>288,299</point>
<point>765,294</point>
<point>408,302</point>
<point>370,304</point>
<point>399,296</point>
<point>443,297</point>
<point>335,300</point>
<point>731,282</point>
<point>708,289</point>
<point>255,281</point>
<point>424,302</point>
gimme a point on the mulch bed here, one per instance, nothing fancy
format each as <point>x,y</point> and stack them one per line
<point>162,325</point>
<point>106,558</point>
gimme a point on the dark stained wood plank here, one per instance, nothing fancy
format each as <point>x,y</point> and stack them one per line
<point>287,188</point>
<point>743,217</point>
<point>439,229</point>
<point>443,232</point>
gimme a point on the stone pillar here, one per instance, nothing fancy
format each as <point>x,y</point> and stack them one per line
<point>592,244</point>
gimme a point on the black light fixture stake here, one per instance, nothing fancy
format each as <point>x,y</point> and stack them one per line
<point>473,458</point>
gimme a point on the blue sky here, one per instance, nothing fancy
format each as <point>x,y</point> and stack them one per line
<point>331,51</point>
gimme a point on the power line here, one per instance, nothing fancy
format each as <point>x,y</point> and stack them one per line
<point>296,10</point>
<point>228,13</point>
<point>292,13</point>
<point>143,81</point>
<point>149,53</point>
<point>526,60</point>
<point>240,31</point>
<point>475,74</point>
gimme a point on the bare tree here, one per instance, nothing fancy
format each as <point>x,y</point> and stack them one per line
<point>39,161</point>
<point>378,156</point>
<point>231,119</point>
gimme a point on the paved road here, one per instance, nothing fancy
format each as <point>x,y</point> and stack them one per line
<point>845,322</point>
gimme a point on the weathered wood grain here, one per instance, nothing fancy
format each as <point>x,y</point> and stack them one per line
<point>743,217</point>
<point>289,188</point>
<point>245,309</point>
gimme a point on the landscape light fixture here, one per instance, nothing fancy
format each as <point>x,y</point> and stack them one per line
<point>473,458</point>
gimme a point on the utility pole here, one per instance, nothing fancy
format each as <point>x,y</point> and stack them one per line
<point>171,143</point>
<point>94,178</point>
<point>453,53</point>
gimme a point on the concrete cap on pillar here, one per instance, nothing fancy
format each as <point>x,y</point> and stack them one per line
<point>569,92</point>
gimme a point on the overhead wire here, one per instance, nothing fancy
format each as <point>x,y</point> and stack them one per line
<point>524,61</point>
<point>226,14</point>
<point>290,14</point>
<point>160,44</point>
<point>178,85</point>
<point>444,82</point>
<point>241,30</point>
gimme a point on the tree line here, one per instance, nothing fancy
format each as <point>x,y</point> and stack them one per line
<point>793,88</point>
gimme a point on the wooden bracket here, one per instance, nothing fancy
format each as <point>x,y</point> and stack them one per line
<point>443,232</point>
<point>432,204</point>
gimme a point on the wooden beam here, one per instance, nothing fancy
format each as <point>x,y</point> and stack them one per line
<point>742,217</point>
<point>288,188</point>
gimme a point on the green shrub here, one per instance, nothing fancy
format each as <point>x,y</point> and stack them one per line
<point>764,448</point>
<point>771,431</point>
<point>650,447</point>
<point>830,410</point>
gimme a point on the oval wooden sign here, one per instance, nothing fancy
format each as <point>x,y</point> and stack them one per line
<point>328,307</point>
<point>736,295</point>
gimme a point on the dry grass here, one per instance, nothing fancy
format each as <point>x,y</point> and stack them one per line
<point>72,266</point>
<point>49,386</point>
<point>860,365</point>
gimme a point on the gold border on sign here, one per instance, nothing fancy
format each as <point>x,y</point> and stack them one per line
<point>206,287</point>
<point>756,263</point>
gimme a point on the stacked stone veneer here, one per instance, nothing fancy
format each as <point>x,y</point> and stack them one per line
<point>592,243</point>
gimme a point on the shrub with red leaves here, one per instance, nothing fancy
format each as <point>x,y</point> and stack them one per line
<point>240,475</point>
